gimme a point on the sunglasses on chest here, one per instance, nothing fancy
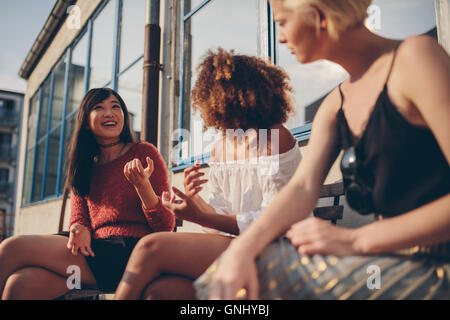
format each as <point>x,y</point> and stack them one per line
<point>357,193</point>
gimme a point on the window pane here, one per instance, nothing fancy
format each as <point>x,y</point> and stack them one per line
<point>4,175</point>
<point>52,162</point>
<point>58,92</point>
<point>76,75</point>
<point>132,32</point>
<point>399,19</point>
<point>43,116</point>
<point>28,176</point>
<point>38,174</point>
<point>235,27</point>
<point>311,83</point>
<point>130,89</point>
<point>70,125</point>
<point>102,47</point>
<point>32,120</point>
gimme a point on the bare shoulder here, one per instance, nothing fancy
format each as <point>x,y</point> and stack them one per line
<point>423,72</point>
<point>420,53</point>
<point>286,140</point>
<point>330,105</point>
<point>216,154</point>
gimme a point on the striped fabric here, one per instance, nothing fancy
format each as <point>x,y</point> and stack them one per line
<point>285,274</point>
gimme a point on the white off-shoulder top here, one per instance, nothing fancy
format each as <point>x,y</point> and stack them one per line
<point>245,188</point>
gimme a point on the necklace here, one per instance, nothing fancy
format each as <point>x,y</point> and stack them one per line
<point>110,144</point>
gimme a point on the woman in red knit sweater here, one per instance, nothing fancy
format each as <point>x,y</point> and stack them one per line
<point>115,201</point>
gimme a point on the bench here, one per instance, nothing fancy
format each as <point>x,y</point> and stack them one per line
<point>335,211</point>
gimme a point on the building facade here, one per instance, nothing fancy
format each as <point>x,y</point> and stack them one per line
<point>11,104</point>
<point>97,43</point>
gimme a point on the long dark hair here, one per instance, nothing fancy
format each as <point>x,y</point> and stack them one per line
<point>84,147</point>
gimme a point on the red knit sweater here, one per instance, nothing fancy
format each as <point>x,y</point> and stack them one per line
<point>113,208</point>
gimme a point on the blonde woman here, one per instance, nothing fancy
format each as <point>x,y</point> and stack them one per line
<point>390,119</point>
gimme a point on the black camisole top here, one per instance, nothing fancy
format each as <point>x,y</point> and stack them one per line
<point>401,163</point>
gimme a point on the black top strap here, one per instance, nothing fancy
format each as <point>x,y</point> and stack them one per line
<point>392,63</point>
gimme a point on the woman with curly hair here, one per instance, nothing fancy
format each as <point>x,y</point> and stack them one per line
<point>247,100</point>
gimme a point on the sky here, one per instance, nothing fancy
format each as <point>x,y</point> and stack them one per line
<point>20,23</point>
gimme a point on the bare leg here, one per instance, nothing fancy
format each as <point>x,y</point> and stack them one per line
<point>170,287</point>
<point>44,251</point>
<point>185,254</point>
<point>34,283</point>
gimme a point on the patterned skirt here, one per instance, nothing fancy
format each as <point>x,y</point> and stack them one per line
<point>285,274</point>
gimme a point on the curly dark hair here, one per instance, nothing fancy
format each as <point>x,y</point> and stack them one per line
<point>240,92</point>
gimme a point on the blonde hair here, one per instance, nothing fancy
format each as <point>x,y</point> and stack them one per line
<point>341,14</point>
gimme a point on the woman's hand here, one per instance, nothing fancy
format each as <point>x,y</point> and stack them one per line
<point>236,277</point>
<point>80,240</point>
<point>192,181</point>
<point>317,236</point>
<point>185,209</point>
<point>136,174</point>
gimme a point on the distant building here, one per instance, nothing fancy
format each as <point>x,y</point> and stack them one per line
<point>11,104</point>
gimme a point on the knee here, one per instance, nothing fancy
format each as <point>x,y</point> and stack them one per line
<point>11,248</point>
<point>149,247</point>
<point>15,287</point>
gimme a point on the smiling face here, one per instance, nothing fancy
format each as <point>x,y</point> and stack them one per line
<point>106,120</point>
<point>297,32</point>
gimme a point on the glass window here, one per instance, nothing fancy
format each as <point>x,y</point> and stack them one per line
<point>70,125</point>
<point>58,92</point>
<point>132,32</point>
<point>130,89</point>
<point>4,175</point>
<point>39,171</point>
<point>27,178</point>
<point>5,141</point>
<point>43,113</point>
<point>32,120</point>
<point>52,162</point>
<point>102,47</point>
<point>76,74</point>
<point>311,83</point>
<point>236,26</point>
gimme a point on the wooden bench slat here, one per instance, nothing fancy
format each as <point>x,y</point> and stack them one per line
<point>329,213</point>
<point>332,190</point>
